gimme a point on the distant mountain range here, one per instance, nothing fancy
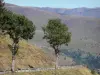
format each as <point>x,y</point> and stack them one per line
<point>84,23</point>
<point>91,12</point>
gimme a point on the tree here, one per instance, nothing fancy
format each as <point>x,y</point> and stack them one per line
<point>56,33</point>
<point>18,27</point>
<point>1,6</point>
<point>2,11</point>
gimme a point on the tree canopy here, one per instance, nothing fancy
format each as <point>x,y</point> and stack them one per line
<point>17,26</point>
<point>56,33</point>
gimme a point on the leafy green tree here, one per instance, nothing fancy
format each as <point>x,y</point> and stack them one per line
<point>18,27</point>
<point>56,33</point>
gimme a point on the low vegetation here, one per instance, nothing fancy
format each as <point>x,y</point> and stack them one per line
<point>82,57</point>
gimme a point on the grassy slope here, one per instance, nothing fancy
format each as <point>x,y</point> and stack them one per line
<point>36,58</point>
<point>27,55</point>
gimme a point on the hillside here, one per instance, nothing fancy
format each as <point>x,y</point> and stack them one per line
<point>39,17</point>
<point>28,55</point>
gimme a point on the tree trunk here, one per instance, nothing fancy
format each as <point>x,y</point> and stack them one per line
<point>57,60</point>
<point>56,64</point>
<point>13,63</point>
<point>13,58</point>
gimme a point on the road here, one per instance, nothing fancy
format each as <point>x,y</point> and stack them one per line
<point>42,69</point>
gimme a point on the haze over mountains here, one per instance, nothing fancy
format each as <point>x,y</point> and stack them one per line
<point>84,23</point>
<point>83,11</point>
<point>90,12</point>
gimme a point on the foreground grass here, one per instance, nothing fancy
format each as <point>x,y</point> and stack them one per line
<point>73,71</point>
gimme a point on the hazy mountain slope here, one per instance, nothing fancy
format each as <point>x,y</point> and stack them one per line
<point>94,12</point>
<point>85,30</point>
<point>85,33</point>
<point>39,17</point>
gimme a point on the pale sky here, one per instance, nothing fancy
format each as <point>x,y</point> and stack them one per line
<point>56,3</point>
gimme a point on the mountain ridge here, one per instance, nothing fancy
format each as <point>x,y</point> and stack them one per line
<point>82,11</point>
<point>94,12</point>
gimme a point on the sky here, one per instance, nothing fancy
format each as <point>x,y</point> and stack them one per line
<point>56,3</point>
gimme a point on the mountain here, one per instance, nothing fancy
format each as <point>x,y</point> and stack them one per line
<point>39,17</point>
<point>90,12</point>
<point>85,29</point>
